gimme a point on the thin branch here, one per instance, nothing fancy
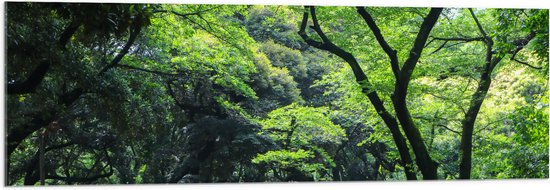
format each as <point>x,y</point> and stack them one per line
<point>185,15</point>
<point>526,64</point>
<point>147,70</point>
<point>206,21</point>
<point>465,39</point>
<point>438,124</point>
<point>446,40</point>
<point>213,33</point>
<point>449,129</point>
<point>86,179</point>
<point>489,124</point>
<point>440,47</point>
<point>520,44</point>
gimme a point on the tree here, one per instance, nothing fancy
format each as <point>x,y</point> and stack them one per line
<point>402,76</point>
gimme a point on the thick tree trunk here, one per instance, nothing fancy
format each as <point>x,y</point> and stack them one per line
<point>403,77</point>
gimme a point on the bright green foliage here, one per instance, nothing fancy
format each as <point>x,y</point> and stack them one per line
<point>285,160</point>
<point>297,128</point>
<point>306,125</point>
<point>282,56</point>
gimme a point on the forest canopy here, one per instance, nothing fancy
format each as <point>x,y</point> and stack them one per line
<point>102,93</point>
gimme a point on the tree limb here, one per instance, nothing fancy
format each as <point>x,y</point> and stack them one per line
<point>146,70</point>
<point>392,54</point>
<point>526,64</point>
<point>34,79</point>
<point>520,44</point>
<point>131,39</point>
<point>85,179</point>
<point>479,25</point>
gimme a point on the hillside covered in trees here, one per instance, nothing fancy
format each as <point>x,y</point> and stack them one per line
<point>150,93</point>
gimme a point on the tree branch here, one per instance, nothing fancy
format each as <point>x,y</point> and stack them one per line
<point>479,24</point>
<point>34,79</point>
<point>146,70</point>
<point>459,39</point>
<point>392,54</point>
<point>416,50</point>
<point>131,39</point>
<point>526,64</point>
<point>185,15</point>
<point>520,44</point>
<point>316,26</point>
<point>31,176</point>
<point>69,32</point>
<point>305,37</point>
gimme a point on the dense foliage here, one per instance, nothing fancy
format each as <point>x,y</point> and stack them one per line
<point>137,93</point>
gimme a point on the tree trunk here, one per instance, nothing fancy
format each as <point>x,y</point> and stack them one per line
<point>389,120</point>
<point>471,115</point>
<point>427,166</point>
<point>468,126</point>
